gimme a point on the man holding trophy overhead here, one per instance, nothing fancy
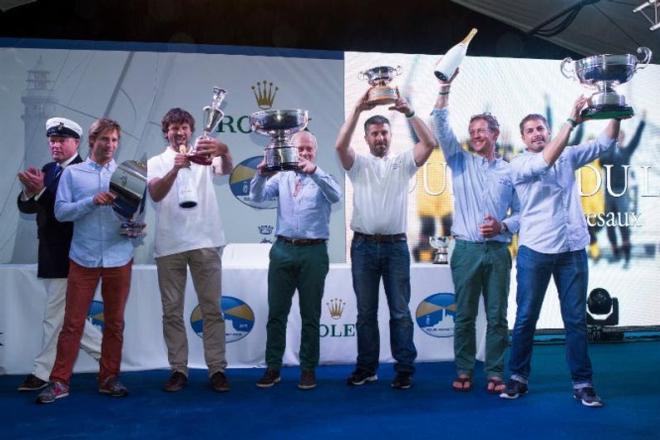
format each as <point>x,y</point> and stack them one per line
<point>553,237</point>
<point>189,233</point>
<point>481,263</point>
<point>379,248</point>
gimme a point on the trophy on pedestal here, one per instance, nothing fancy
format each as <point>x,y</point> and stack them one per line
<point>187,190</point>
<point>280,154</point>
<point>379,78</point>
<point>441,246</point>
<point>603,73</point>
<point>129,184</point>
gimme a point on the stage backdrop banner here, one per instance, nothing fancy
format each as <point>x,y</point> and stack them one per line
<point>136,85</point>
<point>245,309</point>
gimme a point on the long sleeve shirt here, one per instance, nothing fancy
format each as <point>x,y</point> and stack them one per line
<point>96,229</point>
<point>304,201</point>
<point>551,216</point>
<point>480,186</point>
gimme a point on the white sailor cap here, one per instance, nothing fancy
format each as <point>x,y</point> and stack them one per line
<point>63,127</point>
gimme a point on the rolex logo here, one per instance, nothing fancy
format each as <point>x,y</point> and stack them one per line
<point>335,307</point>
<point>264,93</point>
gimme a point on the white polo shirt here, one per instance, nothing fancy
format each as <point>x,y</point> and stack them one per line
<point>380,192</point>
<point>184,229</point>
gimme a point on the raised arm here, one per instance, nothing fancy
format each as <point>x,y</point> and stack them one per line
<point>556,146</point>
<point>427,141</point>
<point>342,145</point>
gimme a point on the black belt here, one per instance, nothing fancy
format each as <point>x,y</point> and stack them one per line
<point>381,238</point>
<point>301,241</point>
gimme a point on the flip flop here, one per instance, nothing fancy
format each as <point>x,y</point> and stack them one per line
<point>463,381</point>
<point>493,384</point>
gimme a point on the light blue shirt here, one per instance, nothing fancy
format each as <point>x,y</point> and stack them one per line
<point>301,213</point>
<point>480,187</point>
<point>96,239</point>
<point>552,220</point>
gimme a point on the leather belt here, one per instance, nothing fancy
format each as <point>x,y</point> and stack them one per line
<point>301,241</point>
<point>381,238</point>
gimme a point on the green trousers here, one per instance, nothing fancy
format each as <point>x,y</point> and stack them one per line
<point>295,267</point>
<point>481,268</point>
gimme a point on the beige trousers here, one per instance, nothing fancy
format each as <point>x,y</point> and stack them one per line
<point>205,269</point>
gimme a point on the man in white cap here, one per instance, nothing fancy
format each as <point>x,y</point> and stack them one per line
<point>38,197</point>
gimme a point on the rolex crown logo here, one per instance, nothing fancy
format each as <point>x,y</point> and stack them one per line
<point>336,307</point>
<point>264,93</point>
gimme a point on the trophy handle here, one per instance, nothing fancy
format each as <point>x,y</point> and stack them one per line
<point>398,70</point>
<point>564,71</point>
<point>646,52</point>
<point>361,76</point>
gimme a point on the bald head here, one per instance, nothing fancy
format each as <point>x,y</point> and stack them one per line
<point>306,144</point>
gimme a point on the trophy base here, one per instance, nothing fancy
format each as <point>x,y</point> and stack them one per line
<point>199,159</point>
<point>382,95</point>
<point>282,167</point>
<point>607,112</point>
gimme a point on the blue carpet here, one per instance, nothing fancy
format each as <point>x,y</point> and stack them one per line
<point>626,377</point>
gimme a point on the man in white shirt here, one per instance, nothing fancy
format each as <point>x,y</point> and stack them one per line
<point>379,248</point>
<point>189,237</point>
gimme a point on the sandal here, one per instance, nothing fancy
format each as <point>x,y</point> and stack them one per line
<point>465,384</point>
<point>495,385</point>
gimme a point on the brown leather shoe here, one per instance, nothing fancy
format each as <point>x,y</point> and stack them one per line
<point>307,380</point>
<point>32,383</point>
<point>176,382</point>
<point>270,378</point>
<point>219,382</point>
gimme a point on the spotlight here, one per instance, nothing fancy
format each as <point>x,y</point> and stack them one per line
<point>654,18</point>
<point>603,312</point>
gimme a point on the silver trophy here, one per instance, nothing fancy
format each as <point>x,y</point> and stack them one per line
<point>603,73</point>
<point>129,184</point>
<point>187,190</point>
<point>280,154</point>
<point>379,79</point>
<point>441,246</point>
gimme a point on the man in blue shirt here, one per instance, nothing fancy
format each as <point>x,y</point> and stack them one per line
<point>481,262</point>
<point>98,252</point>
<point>553,237</point>
<point>299,257</point>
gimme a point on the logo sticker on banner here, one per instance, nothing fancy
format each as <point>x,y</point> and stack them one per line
<point>95,314</point>
<point>264,93</point>
<point>336,307</point>
<point>239,183</point>
<point>435,315</point>
<point>239,319</point>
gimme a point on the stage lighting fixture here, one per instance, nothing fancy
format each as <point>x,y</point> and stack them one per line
<point>654,20</point>
<point>602,316</point>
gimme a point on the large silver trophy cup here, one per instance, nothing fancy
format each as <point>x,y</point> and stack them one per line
<point>379,79</point>
<point>212,116</point>
<point>603,73</point>
<point>129,184</point>
<point>280,154</point>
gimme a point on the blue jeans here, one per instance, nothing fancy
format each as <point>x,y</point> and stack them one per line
<point>391,261</point>
<point>571,275</point>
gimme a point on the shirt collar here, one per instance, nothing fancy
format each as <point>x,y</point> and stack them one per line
<point>68,161</point>
<point>108,166</point>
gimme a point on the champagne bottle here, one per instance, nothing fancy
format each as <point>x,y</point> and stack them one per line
<point>448,64</point>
